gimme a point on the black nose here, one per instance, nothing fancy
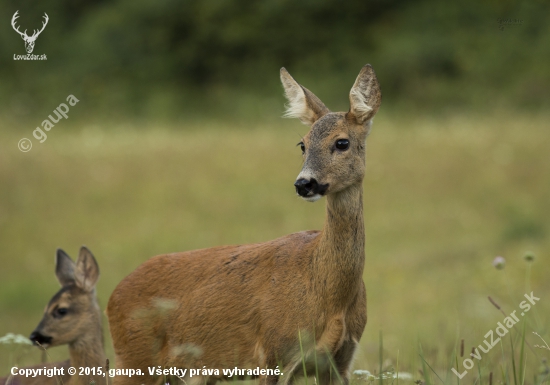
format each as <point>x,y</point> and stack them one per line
<point>36,337</point>
<point>306,187</point>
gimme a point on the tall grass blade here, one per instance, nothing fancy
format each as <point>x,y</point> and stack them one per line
<point>381,358</point>
<point>427,379</point>
<point>522,355</point>
<point>434,372</point>
<point>513,360</point>
<point>397,367</point>
<point>479,371</point>
<point>303,356</point>
<point>454,359</point>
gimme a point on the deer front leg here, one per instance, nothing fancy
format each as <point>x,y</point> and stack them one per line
<point>339,370</point>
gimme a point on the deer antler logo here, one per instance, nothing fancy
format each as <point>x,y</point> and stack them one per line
<point>29,40</point>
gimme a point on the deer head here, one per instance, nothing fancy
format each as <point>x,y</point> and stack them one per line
<point>334,148</point>
<point>29,40</point>
<point>73,312</point>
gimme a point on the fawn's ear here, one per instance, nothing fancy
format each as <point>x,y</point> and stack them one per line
<point>302,103</point>
<point>87,270</point>
<point>64,268</point>
<point>365,96</point>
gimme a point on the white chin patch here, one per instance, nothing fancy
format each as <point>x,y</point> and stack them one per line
<point>313,198</point>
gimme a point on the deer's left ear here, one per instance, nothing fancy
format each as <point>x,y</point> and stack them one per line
<point>365,96</point>
<point>302,103</point>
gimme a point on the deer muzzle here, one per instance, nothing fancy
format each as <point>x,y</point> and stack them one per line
<point>38,338</point>
<point>310,188</point>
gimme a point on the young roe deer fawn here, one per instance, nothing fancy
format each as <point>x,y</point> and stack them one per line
<point>297,302</point>
<point>71,317</point>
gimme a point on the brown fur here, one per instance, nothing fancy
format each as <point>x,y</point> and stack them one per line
<point>266,304</point>
<point>80,328</point>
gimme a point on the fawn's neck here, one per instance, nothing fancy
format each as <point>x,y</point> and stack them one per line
<point>340,256</point>
<point>88,351</point>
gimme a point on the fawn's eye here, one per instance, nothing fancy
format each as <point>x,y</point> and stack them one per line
<point>302,147</point>
<point>342,144</point>
<point>61,311</point>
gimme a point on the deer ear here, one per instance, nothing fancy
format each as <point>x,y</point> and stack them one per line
<point>302,103</point>
<point>64,268</point>
<point>87,270</point>
<point>365,96</point>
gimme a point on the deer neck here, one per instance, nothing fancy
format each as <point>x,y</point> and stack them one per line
<point>88,350</point>
<point>340,254</point>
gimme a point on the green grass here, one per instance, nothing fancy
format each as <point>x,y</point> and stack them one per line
<point>443,197</point>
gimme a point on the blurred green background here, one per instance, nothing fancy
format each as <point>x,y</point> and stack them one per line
<point>177,143</point>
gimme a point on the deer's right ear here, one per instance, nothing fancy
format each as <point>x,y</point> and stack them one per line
<point>302,103</point>
<point>64,268</point>
<point>87,270</point>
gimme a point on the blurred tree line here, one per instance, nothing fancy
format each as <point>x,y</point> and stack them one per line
<point>175,58</point>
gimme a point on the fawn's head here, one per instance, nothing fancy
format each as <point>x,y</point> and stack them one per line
<point>73,310</point>
<point>334,147</point>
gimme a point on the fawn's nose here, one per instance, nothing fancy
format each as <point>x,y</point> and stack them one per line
<point>306,187</point>
<point>37,337</point>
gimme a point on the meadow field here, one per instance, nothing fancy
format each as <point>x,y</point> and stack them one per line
<point>444,195</point>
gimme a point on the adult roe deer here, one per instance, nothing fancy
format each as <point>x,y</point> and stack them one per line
<point>71,317</point>
<point>297,302</point>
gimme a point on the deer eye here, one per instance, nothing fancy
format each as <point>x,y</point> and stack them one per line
<point>342,144</point>
<point>61,311</point>
<point>302,147</point>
